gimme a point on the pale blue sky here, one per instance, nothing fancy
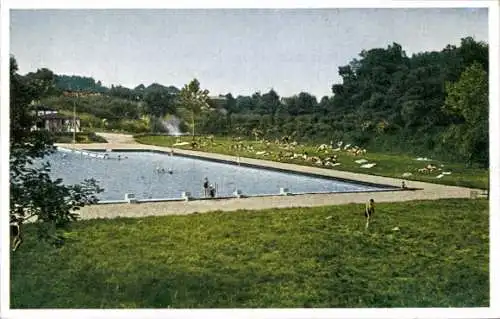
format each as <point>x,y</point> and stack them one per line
<point>232,50</point>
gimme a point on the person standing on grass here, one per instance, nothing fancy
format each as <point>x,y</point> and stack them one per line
<point>15,234</point>
<point>205,186</point>
<point>369,211</point>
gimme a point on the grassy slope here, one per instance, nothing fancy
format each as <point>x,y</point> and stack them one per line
<point>273,258</point>
<point>387,165</point>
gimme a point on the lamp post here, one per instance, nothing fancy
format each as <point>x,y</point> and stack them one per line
<point>74,114</point>
<point>74,122</point>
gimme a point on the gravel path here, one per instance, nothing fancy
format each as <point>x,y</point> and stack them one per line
<point>120,141</point>
<point>116,138</point>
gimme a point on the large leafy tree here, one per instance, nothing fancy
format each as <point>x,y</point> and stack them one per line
<point>193,100</point>
<point>43,82</point>
<point>230,104</point>
<point>159,102</point>
<point>467,102</point>
<point>244,104</point>
<point>301,104</point>
<point>269,103</point>
<point>34,195</point>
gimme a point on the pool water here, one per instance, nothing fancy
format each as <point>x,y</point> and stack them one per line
<point>146,174</point>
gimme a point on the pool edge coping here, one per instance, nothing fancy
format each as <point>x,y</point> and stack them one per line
<point>251,165</point>
<point>381,187</point>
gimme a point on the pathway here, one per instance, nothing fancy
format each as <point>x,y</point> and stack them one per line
<point>117,138</point>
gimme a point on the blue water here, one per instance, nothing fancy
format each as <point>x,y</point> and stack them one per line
<point>137,173</point>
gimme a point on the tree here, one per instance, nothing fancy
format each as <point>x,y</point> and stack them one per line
<point>87,84</point>
<point>303,103</point>
<point>230,104</point>
<point>43,82</point>
<point>325,105</point>
<point>467,100</point>
<point>193,100</point>
<point>244,104</point>
<point>122,92</point>
<point>270,103</point>
<point>33,194</point>
<point>159,103</point>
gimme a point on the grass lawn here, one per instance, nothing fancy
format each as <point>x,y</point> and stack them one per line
<point>292,257</point>
<point>387,165</point>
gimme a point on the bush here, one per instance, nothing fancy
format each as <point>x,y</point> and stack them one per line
<point>90,121</point>
<point>360,138</point>
<point>130,126</point>
<point>81,137</point>
<point>133,126</point>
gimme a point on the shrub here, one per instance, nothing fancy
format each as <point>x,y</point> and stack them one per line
<point>80,137</point>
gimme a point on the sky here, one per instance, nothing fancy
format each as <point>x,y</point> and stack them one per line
<point>238,51</point>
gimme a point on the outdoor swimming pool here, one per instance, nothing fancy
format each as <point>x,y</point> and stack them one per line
<point>141,173</point>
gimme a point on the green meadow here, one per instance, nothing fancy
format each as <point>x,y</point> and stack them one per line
<point>389,165</point>
<point>295,257</point>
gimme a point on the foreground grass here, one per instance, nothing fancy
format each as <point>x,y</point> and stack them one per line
<point>292,257</point>
<point>387,165</point>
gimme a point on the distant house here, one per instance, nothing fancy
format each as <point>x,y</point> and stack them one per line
<point>48,119</point>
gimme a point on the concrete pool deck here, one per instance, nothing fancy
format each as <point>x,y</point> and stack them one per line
<point>424,191</point>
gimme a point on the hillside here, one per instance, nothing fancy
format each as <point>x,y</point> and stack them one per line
<point>387,101</point>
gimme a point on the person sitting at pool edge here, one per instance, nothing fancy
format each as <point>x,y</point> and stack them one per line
<point>212,190</point>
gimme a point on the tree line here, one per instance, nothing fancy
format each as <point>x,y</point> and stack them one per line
<point>432,103</point>
<point>387,101</point>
